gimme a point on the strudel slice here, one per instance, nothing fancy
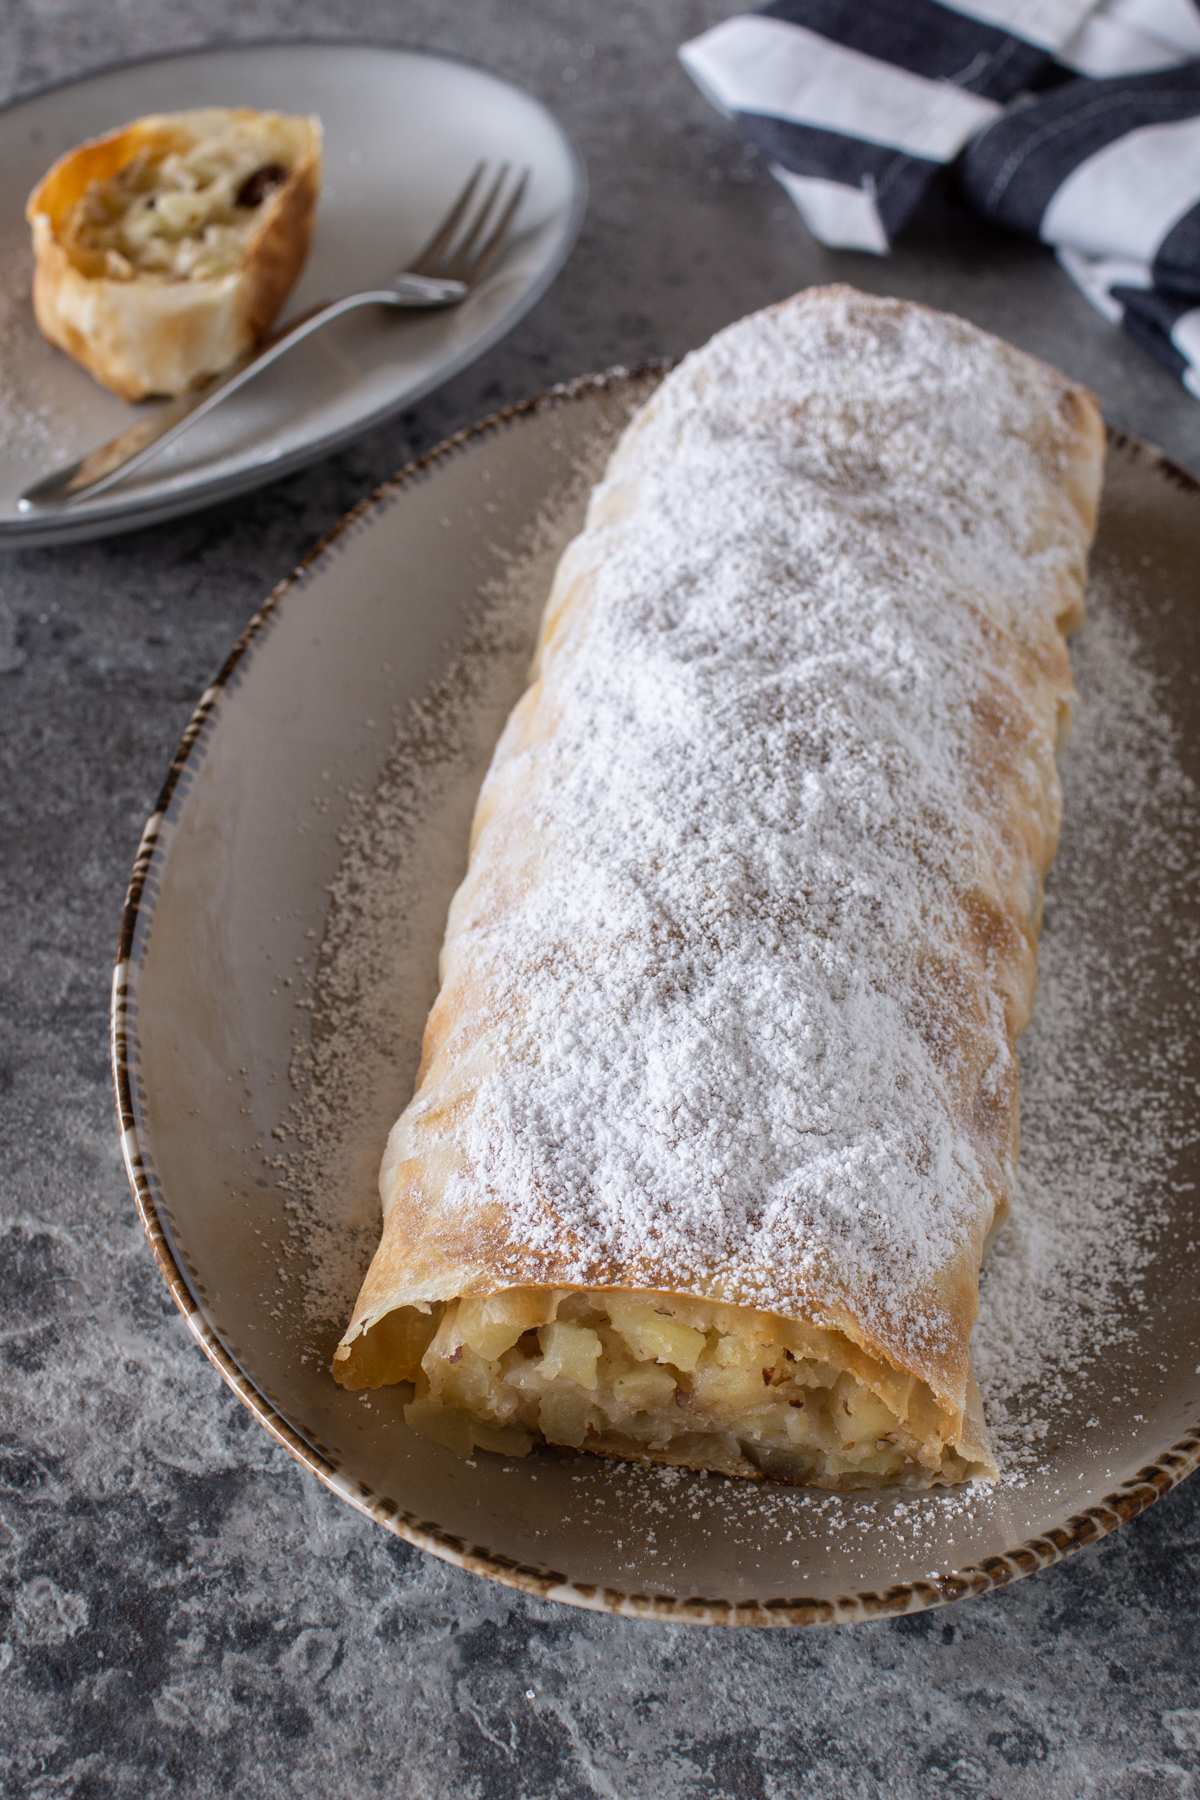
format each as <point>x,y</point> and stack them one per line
<point>717,1110</point>
<point>164,250</point>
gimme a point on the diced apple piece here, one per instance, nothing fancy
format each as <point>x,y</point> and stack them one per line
<point>491,1324</point>
<point>564,1417</point>
<point>858,1413</point>
<point>644,1390</point>
<point>814,1374</point>
<point>737,1353</point>
<point>466,1382</point>
<point>570,1350</point>
<point>617,1358</point>
<point>801,1425</point>
<point>655,1336</point>
<point>729,1390</point>
<point>514,1361</point>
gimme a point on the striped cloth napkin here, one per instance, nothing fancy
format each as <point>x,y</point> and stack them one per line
<point>1076,122</point>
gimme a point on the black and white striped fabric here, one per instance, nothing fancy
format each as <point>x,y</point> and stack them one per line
<point>1075,121</point>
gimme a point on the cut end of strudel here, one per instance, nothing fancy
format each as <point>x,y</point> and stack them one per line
<point>717,1111</point>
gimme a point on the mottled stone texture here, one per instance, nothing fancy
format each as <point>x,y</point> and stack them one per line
<point>182,1609</point>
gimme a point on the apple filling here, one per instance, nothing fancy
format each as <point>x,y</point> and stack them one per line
<point>188,214</point>
<point>667,1379</point>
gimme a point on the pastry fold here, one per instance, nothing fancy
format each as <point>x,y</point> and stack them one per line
<point>163,251</point>
<point>717,1109</point>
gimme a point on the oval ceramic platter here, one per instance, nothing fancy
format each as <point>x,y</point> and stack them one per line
<point>403,130</point>
<point>278,956</point>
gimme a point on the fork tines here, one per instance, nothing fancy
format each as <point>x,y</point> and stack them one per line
<point>468,242</point>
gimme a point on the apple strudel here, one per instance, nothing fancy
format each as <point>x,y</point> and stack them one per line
<point>717,1109</point>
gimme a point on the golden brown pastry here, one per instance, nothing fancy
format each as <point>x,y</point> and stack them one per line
<point>163,251</point>
<point>717,1109</point>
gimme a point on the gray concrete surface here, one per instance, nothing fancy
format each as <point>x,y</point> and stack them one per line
<point>181,1609</point>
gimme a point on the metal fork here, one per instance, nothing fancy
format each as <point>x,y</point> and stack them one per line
<point>455,260</point>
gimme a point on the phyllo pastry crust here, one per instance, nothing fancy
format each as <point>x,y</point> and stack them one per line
<point>163,251</point>
<point>717,1109</point>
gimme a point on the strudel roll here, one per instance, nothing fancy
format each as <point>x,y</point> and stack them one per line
<point>717,1108</point>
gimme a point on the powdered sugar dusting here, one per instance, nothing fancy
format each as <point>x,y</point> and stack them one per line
<point>28,426</point>
<point>740,1028</point>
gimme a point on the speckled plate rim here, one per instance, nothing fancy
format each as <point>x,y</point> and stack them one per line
<point>1125,1502</point>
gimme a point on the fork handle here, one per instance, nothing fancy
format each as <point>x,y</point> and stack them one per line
<point>111,462</point>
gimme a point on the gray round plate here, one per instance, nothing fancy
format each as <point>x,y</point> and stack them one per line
<point>258,1066</point>
<point>403,129</point>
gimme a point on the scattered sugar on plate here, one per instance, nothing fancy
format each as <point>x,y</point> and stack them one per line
<point>1097,1144</point>
<point>28,430</point>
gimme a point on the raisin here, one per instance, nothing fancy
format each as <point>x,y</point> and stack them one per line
<point>264,181</point>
